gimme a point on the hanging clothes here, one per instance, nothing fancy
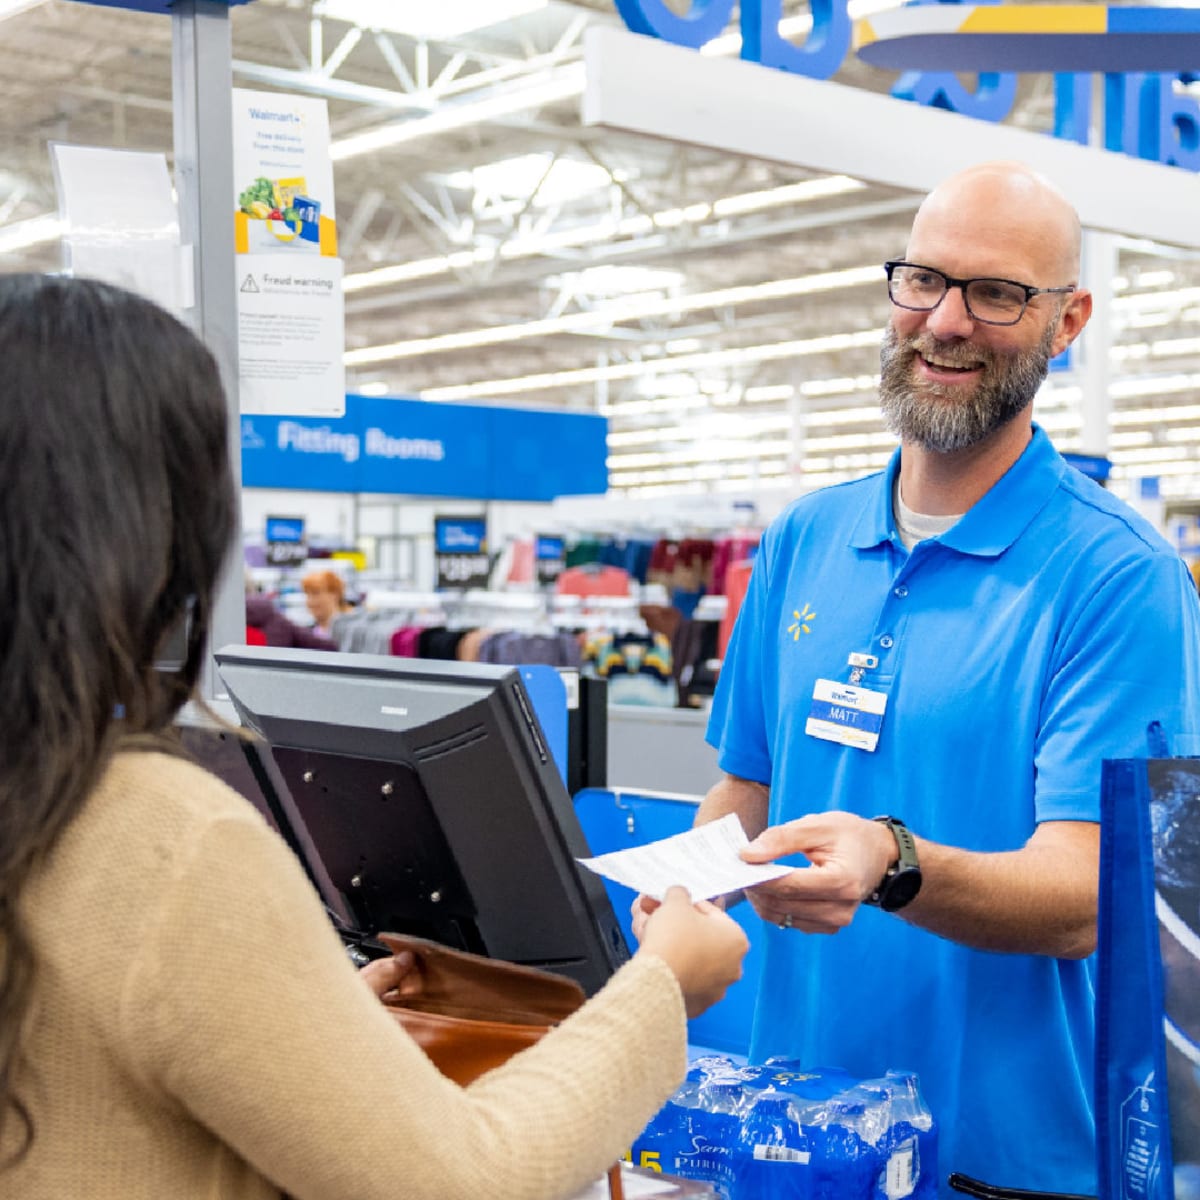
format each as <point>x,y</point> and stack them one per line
<point>737,580</point>
<point>516,648</point>
<point>730,550</point>
<point>593,581</point>
<point>636,666</point>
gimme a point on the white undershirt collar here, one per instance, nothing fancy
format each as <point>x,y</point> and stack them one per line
<point>914,527</point>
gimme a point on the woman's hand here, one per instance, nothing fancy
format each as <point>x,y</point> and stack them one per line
<point>384,975</point>
<point>701,944</point>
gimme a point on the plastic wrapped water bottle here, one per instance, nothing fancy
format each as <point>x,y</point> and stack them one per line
<point>911,1140</point>
<point>693,1135</point>
<point>846,1161</point>
<point>772,1160</point>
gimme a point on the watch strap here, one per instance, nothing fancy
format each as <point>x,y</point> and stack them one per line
<point>906,864</point>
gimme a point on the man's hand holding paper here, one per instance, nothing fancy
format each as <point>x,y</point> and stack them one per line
<point>706,860</point>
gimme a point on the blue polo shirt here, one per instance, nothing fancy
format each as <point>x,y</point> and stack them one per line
<point>1037,637</point>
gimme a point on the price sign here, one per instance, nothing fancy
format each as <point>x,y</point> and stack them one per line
<point>549,555</point>
<point>460,545</point>
<point>286,545</point>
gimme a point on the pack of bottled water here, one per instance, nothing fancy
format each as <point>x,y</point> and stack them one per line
<point>781,1132</point>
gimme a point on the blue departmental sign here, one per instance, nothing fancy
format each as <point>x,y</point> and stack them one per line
<point>418,448</point>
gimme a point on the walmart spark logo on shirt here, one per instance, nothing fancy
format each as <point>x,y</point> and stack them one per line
<point>800,624</point>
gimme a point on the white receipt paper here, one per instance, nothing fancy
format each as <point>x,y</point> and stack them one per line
<point>704,860</point>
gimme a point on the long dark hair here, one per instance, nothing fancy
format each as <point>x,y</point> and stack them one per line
<point>116,513</point>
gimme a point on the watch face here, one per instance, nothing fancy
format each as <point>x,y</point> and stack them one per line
<point>899,889</point>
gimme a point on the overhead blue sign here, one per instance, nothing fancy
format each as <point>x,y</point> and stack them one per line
<point>419,448</point>
<point>1145,116</point>
<point>150,6</point>
<point>819,57</point>
<point>161,6</point>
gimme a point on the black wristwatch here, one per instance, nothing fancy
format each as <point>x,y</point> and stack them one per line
<point>903,879</point>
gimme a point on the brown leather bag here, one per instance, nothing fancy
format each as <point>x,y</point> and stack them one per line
<point>470,1014</point>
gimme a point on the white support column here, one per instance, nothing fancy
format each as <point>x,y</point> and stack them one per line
<point>798,412</point>
<point>1095,404</point>
<point>203,105</point>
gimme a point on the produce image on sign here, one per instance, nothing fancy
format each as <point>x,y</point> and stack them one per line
<point>288,217</point>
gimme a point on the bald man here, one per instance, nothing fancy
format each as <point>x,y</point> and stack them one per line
<point>983,626</point>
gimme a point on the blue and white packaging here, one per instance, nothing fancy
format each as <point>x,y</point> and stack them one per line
<point>777,1131</point>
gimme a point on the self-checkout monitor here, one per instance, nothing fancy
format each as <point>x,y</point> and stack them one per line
<point>429,795</point>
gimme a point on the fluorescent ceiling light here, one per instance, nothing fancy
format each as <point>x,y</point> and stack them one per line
<point>1189,433</point>
<point>769,352</point>
<point>675,383</point>
<point>1149,454</point>
<point>422,268</point>
<point>561,84</point>
<point>645,408</point>
<point>1155,279</point>
<point>641,437</point>
<point>705,451</point>
<point>1156,416</point>
<point>766,392</point>
<point>1140,437</point>
<point>843,416</point>
<point>788,193</point>
<point>561,179</point>
<point>1147,320</point>
<point>1169,347</point>
<point>591,234</point>
<point>422,19</point>
<point>847,462</point>
<point>1123,470</point>
<point>1055,396</point>
<point>634,308</point>
<point>850,441</point>
<point>1153,301</point>
<point>846,385</point>
<point>1153,385</point>
<point>33,232</point>
<point>1064,422</point>
<point>375,388</point>
<point>670,218</point>
<point>621,279</point>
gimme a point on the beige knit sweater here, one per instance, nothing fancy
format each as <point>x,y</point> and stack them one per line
<point>200,1033</point>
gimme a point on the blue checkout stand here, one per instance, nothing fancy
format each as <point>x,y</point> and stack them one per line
<point>619,819</point>
<point>613,820</point>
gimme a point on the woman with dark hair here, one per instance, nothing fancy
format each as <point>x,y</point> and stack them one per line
<point>177,1017</point>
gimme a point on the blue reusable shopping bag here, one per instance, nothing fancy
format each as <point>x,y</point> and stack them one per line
<point>1148,1004</point>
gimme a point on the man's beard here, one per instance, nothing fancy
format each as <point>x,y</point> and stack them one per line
<point>944,418</point>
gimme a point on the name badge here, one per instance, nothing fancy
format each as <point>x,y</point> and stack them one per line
<point>843,713</point>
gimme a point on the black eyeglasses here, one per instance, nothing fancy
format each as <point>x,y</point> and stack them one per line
<point>992,301</point>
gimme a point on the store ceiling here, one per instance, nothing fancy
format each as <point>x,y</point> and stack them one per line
<point>523,258</point>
